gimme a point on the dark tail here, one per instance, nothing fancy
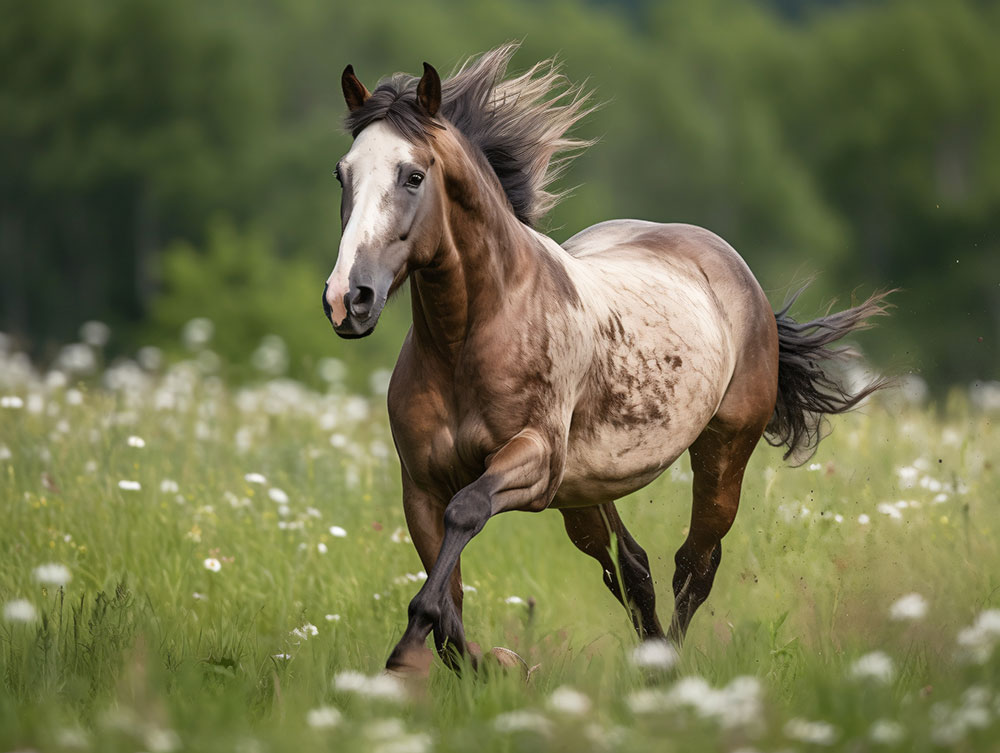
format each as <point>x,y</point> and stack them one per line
<point>807,392</point>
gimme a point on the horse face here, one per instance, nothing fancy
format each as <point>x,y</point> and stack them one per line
<point>386,194</point>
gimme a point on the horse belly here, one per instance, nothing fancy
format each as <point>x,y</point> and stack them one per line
<point>660,379</point>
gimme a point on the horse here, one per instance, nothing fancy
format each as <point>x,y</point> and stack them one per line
<point>537,376</point>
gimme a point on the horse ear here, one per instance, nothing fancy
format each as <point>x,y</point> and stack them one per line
<point>429,90</point>
<point>354,91</point>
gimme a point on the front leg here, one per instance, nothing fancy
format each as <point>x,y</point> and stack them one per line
<point>424,513</point>
<point>519,476</point>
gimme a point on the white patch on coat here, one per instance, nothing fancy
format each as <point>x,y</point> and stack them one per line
<point>373,163</point>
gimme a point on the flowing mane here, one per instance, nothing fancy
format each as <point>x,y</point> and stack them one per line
<point>519,124</point>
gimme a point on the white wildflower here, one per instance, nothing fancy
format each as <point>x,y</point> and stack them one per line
<point>385,729</point>
<point>356,409</point>
<point>891,510</point>
<point>283,657</point>
<point>76,358</point>
<point>56,380</point>
<point>886,732</point>
<point>5,453</point>
<point>331,370</point>
<point>648,701</point>
<point>806,731</point>
<point>399,536</point>
<point>863,519</point>
<point>95,333</point>
<point>738,704</point>
<point>333,618</point>
<point>271,356</point>
<point>162,740</point>
<point>19,610</point>
<point>169,486</point>
<point>322,548</point>
<point>875,666</point>
<point>11,401</point>
<point>277,495</point>
<point>255,478</point>
<point>522,721</point>
<point>137,442</point>
<point>514,600</point>
<point>654,654</point>
<point>129,486</point>
<point>908,476</point>
<point>53,574</point>
<point>385,687</point>
<point>379,381</point>
<point>150,357</point>
<point>197,333</point>
<point>338,532</point>
<point>211,563</point>
<point>566,700</point>
<point>338,440</point>
<point>306,632</point>
<point>912,606</point>
<point>978,640</point>
<point>73,737</point>
<point>74,397</point>
<point>323,717</point>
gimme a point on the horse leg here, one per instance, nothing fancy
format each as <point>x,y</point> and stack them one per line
<point>718,459</point>
<point>590,528</point>
<point>518,477</point>
<point>425,522</point>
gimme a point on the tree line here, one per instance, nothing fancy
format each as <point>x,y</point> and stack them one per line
<point>163,161</point>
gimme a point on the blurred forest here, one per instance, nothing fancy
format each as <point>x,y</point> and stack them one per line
<point>169,160</point>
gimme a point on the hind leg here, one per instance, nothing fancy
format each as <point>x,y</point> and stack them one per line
<point>590,528</point>
<point>718,459</point>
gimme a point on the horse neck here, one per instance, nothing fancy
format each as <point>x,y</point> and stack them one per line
<point>483,253</point>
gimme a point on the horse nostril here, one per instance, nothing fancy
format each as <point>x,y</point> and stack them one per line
<point>362,300</point>
<point>326,304</point>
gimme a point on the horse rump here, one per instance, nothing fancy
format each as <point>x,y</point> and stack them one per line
<point>808,388</point>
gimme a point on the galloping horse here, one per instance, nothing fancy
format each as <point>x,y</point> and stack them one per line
<point>541,376</point>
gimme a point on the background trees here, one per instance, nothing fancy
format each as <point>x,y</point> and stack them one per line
<point>163,161</point>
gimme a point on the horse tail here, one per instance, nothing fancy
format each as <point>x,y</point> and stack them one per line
<point>807,391</point>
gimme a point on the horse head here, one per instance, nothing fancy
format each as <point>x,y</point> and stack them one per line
<point>392,195</point>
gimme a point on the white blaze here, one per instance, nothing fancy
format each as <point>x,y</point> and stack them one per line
<point>373,163</point>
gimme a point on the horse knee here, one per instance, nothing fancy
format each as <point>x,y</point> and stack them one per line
<point>424,610</point>
<point>467,512</point>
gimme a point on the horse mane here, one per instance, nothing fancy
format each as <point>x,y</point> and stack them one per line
<point>519,124</point>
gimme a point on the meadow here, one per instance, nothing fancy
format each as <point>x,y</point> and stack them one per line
<point>193,566</point>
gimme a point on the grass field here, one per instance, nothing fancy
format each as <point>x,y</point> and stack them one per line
<point>188,566</point>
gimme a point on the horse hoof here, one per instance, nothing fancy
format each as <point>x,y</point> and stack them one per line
<point>509,659</point>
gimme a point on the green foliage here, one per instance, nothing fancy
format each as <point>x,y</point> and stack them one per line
<point>249,294</point>
<point>856,141</point>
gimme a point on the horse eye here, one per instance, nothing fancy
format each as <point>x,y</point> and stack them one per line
<point>415,180</point>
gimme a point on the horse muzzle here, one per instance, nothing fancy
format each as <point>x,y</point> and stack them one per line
<point>363,305</point>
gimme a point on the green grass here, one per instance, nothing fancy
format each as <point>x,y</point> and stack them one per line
<point>147,649</point>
